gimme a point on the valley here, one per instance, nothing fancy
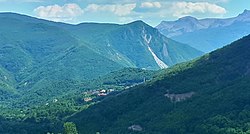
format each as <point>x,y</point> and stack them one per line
<point>188,76</point>
<point>201,96</point>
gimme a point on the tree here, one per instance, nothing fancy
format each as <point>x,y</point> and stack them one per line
<point>70,128</point>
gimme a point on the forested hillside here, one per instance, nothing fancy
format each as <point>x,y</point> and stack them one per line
<point>208,95</point>
<point>41,60</point>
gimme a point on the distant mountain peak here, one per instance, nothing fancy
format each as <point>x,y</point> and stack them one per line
<point>245,13</point>
<point>245,16</point>
<point>138,22</point>
<point>139,26</point>
<point>188,18</point>
<point>213,33</point>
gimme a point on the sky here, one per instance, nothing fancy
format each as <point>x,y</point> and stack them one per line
<point>124,11</point>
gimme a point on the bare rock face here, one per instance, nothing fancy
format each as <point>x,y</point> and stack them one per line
<point>179,97</point>
<point>135,128</point>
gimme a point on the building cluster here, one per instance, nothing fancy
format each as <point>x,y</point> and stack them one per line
<point>89,95</point>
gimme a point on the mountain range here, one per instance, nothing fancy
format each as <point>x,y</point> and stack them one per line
<point>36,54</point>
<point>110,78</point>
<point>207,34</point>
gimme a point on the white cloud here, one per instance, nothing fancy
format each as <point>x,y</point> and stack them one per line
<point>140,1</point>
<point>151,5</point>
<point>117,9</point>
<point>128,10</point>
<point>66,12</point>
<point>186,8</point>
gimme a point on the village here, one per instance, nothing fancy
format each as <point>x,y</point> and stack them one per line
<point>90,95</point>
<point>97,93</point>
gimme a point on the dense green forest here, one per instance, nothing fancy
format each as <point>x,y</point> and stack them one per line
<point>210,95</point>
<point>74,79</point>
<point>42,60</point>
<point>50,116</point>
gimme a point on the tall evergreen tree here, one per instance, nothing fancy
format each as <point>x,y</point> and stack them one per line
<point>70,128</point>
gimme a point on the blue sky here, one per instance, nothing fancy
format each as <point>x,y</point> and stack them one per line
<point>124,11</point>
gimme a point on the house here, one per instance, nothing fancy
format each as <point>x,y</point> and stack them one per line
<point>103,91</point>
<point>111,90</point>
<point>55,100</point>
<point>102,94</point>
<point>87,99</point>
